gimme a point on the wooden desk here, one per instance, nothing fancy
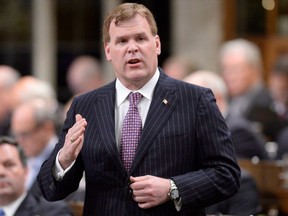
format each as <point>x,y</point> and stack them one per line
<point>273,187</point>
<point>77,208</point>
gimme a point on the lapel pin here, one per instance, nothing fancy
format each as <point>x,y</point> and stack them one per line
<point>165,101</point>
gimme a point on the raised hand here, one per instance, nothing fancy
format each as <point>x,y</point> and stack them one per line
<point>73,142</point>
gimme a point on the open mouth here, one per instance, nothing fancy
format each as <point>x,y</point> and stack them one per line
<point>133,61</point>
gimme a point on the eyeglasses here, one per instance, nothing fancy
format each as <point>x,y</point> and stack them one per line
<point>27,134</point>
<point>9,140</point>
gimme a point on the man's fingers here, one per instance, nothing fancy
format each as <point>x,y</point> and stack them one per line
<point>78,129</point>
<point>139,178</point>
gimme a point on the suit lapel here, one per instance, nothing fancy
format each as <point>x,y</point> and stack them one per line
<point>106,106</point>
<point>161,108</point>
<point>27,206</point>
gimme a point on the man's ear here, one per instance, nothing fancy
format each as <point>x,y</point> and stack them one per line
<point>158,44</point>
<point>107,51</point>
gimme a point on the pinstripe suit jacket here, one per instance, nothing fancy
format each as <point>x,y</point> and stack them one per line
<point>185,139</point>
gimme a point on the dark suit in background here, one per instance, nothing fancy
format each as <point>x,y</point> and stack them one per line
<point>186,139</point>
<point>35,206</point>
<point>245,202</point>
<point>247,141</point>
<point>282,141</point>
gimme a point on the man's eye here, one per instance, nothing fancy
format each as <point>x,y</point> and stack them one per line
<point>122,41</point>
<point>141,38</point>
<point>9,165</point>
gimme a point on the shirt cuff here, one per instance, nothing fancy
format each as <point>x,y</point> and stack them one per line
<point>58,171</point>
<point>178,204</point>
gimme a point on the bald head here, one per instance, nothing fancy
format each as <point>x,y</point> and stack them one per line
<point>212,81</point>
<point>178,67</point>
<point>84,74</point>
<point>8,76</point>
<point>29,87</point>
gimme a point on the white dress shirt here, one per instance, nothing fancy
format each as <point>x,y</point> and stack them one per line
<point>12,207</point>
<point>121,108</point>
<point>122,103</point>
<point>34,163</point>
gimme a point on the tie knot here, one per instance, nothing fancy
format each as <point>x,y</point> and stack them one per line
<point>135,98</point>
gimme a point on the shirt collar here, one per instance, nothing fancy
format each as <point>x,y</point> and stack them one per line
<point>39,159</point>
<point>12,207</point>
<point>147,90</point>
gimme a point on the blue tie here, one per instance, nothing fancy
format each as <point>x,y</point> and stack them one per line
<point>2,213</point>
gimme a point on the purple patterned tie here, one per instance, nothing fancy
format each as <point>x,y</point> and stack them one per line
<point>131,131</point>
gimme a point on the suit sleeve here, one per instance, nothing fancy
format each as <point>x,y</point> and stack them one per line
<point>51,188</point>
<point>217,175</point>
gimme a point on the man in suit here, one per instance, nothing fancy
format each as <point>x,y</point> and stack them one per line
<point>184,160</point>
<point>242,69</point>
<point>14,198</point>
<point>34,126</point>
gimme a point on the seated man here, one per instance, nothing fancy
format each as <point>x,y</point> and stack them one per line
<point>14,198</point>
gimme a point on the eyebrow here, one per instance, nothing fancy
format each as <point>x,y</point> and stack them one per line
<point>142,33</point>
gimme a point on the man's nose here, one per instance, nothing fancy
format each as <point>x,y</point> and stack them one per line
<point>132,47</point>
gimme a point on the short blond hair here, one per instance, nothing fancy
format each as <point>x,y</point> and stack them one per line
<point>127,11</point>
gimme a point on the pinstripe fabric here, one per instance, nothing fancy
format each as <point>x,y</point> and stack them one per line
<point>184,138</point>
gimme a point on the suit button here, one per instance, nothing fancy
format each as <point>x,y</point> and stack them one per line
<point>128,191</point>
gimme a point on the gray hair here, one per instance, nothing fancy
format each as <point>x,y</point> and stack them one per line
<point>249,50</point>
<point>8,76</point>
<point>43,111</point>
<point>209,80</point>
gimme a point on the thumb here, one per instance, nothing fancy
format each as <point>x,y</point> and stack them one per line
<point>132,179</point>
<point>78,117</point>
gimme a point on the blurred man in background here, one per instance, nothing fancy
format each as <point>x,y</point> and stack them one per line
<point>178,67</point>
<point>33,125</point>
<point>84,74</point>
<point>14,198</point>
<point>278,86</point>
<point>8,77</point>
<point>242,70</point>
